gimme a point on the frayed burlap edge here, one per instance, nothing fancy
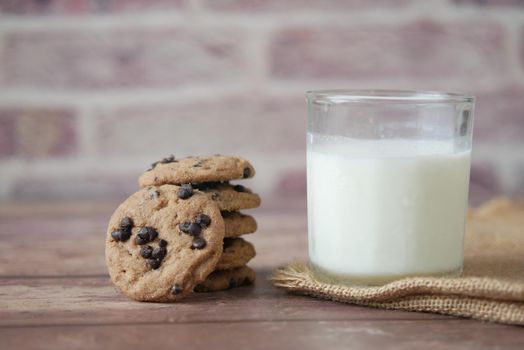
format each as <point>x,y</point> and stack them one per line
<point>484,299</point>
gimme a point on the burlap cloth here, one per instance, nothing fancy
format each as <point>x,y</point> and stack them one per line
<point>491,287</point>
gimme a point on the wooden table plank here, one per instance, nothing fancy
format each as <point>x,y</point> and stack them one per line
<point>89,301</point>
<point>301,335</point>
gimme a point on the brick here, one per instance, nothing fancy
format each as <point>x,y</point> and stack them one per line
<point>292,183</point>
<point>81,7</point>
<point>492,3</point>
<point>239,124</point>
<point>38,132</point>
<point>253,6</point>
<point>91,185</point>
<point>424,49</point>
<point>19,7</point>
<point>521,48</point>
<point>7,134</point>
<point>144,5</point>
<point>286,116</point>
<point>499,116</point>
<point>122,58</point>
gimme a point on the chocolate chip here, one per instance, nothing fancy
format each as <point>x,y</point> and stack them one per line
<point>154,263</point>
<point>146,251</point>
<point>176,289</point>
<point>153,165</point>
<point>126,223</point>
<point>117,235</point>
<point>185,191</point>
<point>169,159</point>
<point>232,283</point>
<point>246,173</point>
<point>239,188</point>
<point>184,227</point>
<point>143,234</point>
<point>198,243</point>
<point>162,243</point>
<point>190,228</point>
<point>153,235</point>
<point>147,234</point>
<point>203,220</point>
<point>125,235</point>
<point>140,241</point>
<point>195,229</point>
<point>159,253</point>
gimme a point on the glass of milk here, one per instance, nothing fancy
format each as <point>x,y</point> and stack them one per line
<point>387,183</point>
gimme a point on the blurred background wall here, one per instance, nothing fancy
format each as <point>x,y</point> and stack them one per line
<point>93,91</point>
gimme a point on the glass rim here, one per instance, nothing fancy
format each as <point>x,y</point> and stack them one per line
<point>384,95</point>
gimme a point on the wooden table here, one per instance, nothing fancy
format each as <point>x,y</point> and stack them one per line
<point>55,294</point>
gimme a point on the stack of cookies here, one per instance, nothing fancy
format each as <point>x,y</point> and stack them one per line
<point>181,232</point>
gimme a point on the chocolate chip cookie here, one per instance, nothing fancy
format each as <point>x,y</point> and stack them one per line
<point>226,279</point>
<point>237,252</point>
<point>196,169</point>
<point>159,246</point>
<point>238,224</point>
<point>230,197</point>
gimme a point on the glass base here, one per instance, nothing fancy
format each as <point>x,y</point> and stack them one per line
<point>374,280</point>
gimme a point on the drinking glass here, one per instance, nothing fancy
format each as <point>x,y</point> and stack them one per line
<point>387,183</point>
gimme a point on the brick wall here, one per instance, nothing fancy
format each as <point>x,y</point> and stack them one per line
<point>92,91</point>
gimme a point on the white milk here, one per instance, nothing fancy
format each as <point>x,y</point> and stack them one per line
<point>381,209</point>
